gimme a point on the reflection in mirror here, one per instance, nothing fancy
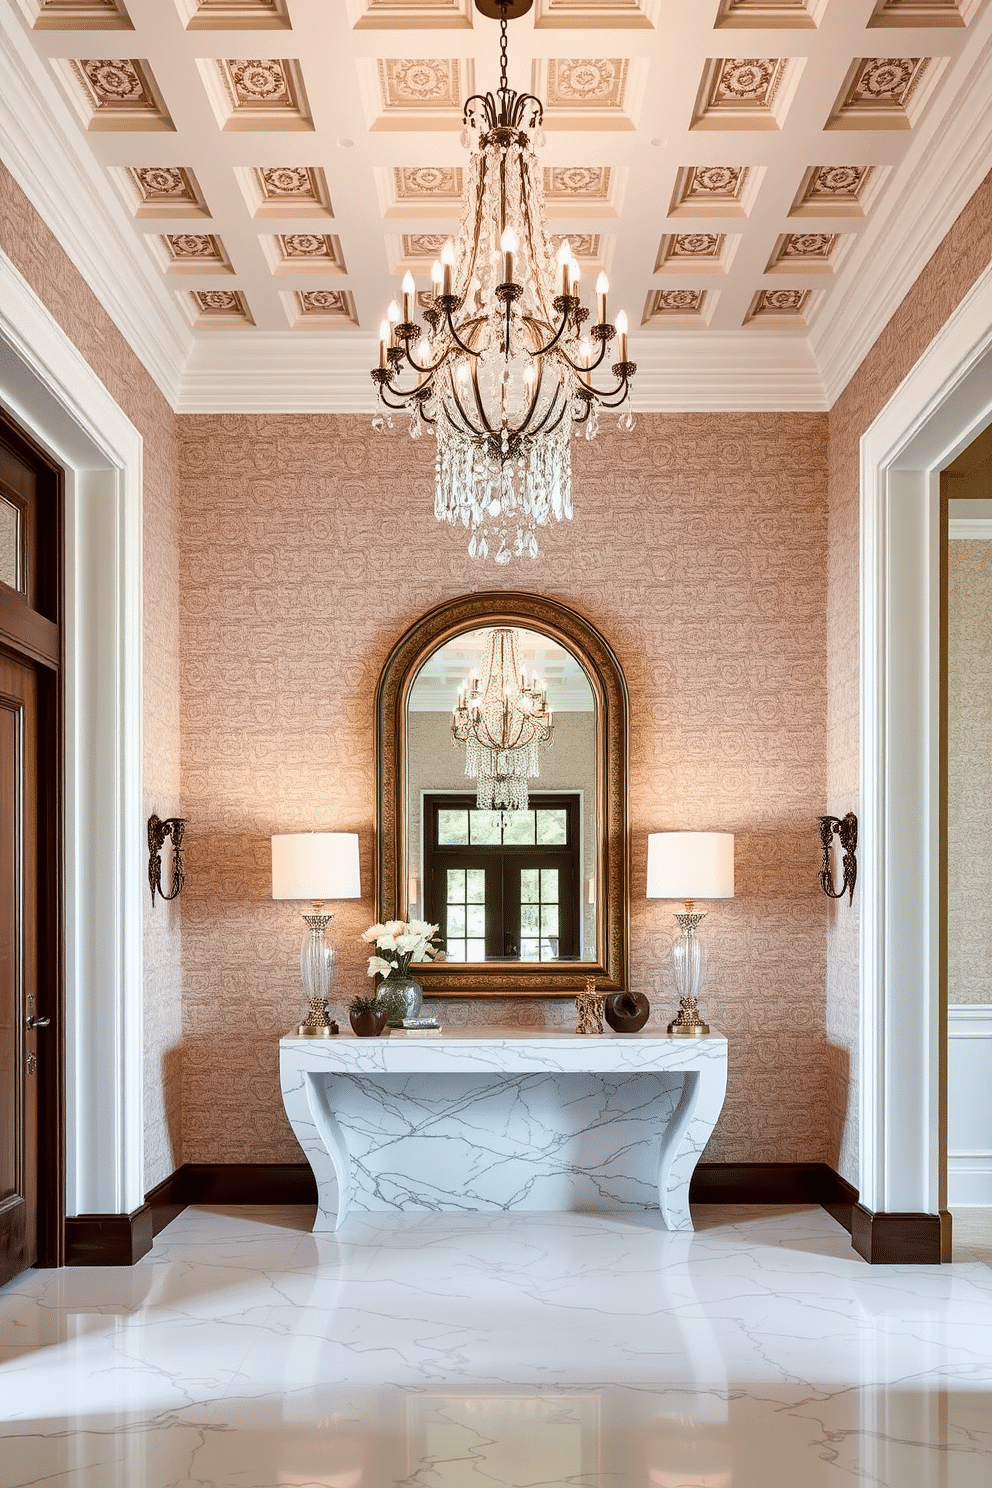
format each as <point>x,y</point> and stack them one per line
<point>513,879</point>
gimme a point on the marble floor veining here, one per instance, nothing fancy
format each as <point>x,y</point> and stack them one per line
<point>501,1351</point>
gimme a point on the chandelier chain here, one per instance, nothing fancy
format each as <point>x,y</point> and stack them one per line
<point>503,56</point>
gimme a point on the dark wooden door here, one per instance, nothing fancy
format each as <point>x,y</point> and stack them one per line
<point>32,1145</point>
<point>19,991</point>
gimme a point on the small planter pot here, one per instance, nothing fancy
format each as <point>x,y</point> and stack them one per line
<point>368,1024</point>
<point>626,1012</point>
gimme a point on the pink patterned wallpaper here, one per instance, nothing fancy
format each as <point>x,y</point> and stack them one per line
<point>964,253</point>
<point>35,253</point>
<point>698,549</point>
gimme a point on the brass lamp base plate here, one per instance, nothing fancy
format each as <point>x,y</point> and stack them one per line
<point>694,1030</point>
<point>327,1032</point>
<point>494,10</point>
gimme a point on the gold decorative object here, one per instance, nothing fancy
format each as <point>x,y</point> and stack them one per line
<point>589,1009</point>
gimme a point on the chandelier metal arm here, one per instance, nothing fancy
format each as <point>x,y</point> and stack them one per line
<point>469,350</point>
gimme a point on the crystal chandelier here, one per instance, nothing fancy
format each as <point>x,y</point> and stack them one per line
<point>504,372</point>
<point>501,720</point>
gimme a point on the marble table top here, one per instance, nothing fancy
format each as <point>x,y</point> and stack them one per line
<point>506,1050</point>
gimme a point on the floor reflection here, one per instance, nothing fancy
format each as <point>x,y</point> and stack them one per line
<point>507,1351</point>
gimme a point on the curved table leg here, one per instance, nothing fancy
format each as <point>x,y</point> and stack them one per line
<point>304,1095</point>
<point>688,1132</point>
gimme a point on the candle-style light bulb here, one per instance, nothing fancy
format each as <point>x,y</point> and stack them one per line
<point>564,259</point>
<point>575,274</point>
<point>508,243</point>
<point>622,333</point>
<point>602,290</point>
<point>393,315</point>
<point>448,264</point>
<point>385,338</point>
<point>409,290</point>
<point>437,277</point>
<point>585,352</point>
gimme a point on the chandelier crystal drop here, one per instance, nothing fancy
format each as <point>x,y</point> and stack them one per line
<point>502,375</point>
<point>502,720</point>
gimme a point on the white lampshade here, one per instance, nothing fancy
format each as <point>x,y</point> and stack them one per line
<point>316,866</point>
<point>690,865</point>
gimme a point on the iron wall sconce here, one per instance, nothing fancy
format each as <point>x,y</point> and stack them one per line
<point>847,833</point>
<point>158,831</point>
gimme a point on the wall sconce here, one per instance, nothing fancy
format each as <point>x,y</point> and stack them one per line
<point>847,833</point>
<point>158,831</point>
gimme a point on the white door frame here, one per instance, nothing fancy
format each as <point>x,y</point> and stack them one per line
<point>943,403</point>
<point>49,388</point>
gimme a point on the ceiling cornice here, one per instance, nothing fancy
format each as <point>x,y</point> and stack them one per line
<point>289,374</point>
<point>45,154</point>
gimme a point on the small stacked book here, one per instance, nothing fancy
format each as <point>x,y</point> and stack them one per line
<point>417,1028</point>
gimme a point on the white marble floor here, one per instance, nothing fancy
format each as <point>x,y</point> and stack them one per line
<point>500,1351</point>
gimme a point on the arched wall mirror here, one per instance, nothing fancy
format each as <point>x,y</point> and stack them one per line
<point>519,853</point>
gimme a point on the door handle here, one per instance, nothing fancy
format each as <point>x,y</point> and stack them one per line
<point>32,1021</point>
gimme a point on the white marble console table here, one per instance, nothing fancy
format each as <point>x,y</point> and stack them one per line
<point>503,1119</point>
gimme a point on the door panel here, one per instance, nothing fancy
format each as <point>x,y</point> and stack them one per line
<point>19,1051</point>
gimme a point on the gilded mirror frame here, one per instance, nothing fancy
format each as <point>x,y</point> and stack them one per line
<point>593,652</point>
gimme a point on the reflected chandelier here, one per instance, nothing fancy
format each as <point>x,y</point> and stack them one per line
<point>502,720</point>
<point>505,371</point>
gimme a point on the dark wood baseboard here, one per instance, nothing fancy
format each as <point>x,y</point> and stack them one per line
<point>108,1239</point>
<point>774,1183</point>
<point>896,1239</point>
<point>882,1239</point>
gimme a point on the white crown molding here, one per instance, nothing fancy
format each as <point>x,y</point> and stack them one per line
<point>46,155</point>
<point>931,188</point>
<point>236,373</point>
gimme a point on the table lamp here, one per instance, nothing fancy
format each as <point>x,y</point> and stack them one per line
<point>689,866</point>
<point>316,866</point>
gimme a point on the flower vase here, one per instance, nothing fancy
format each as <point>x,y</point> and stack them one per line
<point>403,986</point>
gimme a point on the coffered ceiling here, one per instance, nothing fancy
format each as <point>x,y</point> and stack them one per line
<point>242,182</point>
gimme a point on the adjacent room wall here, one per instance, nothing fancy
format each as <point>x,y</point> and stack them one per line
<point>698,549</point>
<point>969,771</point>
<point>45,266</point>
<point>964,253</point>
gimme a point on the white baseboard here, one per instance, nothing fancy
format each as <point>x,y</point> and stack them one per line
<point>969,1106</point>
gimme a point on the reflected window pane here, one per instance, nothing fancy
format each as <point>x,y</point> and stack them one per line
<point>456,886</point>
<point>452,828</point>
<point>528,886</point>
<point>475,920</point>
<point>551,828</point>
<point>518,828</point>
<point>529,919</point>
<point>549,885</point>
<point>476,891</point>
<point>476,950</point>
<point>456,919</point>
<point>549,919</point>
<point>456,950</point>
<point>485,827</point>
<point>10,544</point>
<point>530,950</point>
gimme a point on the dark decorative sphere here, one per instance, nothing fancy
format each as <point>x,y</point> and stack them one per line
<point>626,1012</point>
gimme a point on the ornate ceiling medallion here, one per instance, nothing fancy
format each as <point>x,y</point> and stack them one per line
<point>505,370</point>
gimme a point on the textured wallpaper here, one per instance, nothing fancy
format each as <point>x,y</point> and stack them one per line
<point>965,253</point>
<point>969,772</point>
<point>36,254</point>
<point>698,549</point>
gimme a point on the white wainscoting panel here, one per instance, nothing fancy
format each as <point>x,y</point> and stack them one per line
<point>969,1105</point>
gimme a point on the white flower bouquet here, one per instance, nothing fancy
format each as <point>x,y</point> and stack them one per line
<point>397,943</point>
